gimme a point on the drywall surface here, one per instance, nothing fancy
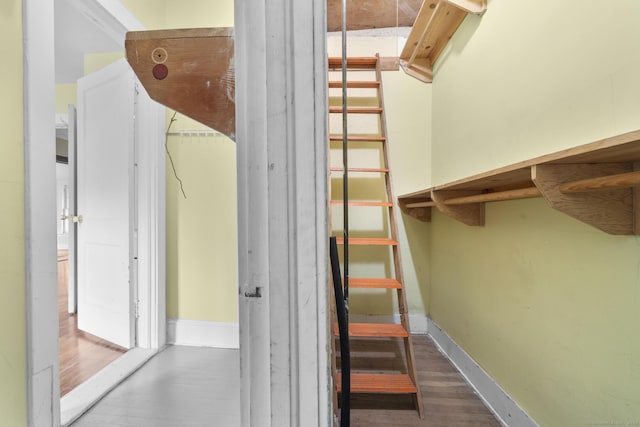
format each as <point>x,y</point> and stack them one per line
<point>66,93</point>
<point>545,304</point>
<point>13,394</point>
<point>528,78</point>
<point>202,255</point>
<point>201,228</point>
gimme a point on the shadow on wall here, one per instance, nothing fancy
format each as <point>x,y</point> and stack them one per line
<point>418,238</point>
<point>460,39</point>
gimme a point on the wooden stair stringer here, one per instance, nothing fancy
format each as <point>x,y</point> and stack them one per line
<point>374,381</point>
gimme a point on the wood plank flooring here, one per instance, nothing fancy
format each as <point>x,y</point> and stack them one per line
<point>81,354</point>
<point>448,400</point>
<point>195,386</point>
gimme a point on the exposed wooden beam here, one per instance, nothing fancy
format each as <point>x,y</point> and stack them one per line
<point>191,71</point>
<point>369,14</point>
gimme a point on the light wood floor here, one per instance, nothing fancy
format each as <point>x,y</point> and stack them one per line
<point>192,386</point>
<point>81,354</point>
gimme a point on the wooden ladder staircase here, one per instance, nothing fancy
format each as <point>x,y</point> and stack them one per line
<point>371,134</point>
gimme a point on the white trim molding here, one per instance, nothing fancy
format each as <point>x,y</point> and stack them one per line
<point>508,412</point>
<point>82,398</point>
<point>110,16</point>
<point>281,134</point>
<point>43,387</point>
<point>203,333</point>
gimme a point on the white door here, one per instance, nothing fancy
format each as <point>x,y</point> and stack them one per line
<point>72,290</point>
<point>105,182</point>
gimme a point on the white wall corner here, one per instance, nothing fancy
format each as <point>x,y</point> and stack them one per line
<point>499,402</point>
<point>202,333</point>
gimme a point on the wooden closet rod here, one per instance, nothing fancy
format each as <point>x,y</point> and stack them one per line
<point>520,193</point>
<point>622,180</point>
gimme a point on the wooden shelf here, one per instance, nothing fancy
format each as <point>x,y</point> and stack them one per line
<point>597,183</point>
<point>436,22</point>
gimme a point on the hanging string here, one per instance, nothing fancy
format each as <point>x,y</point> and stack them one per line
<point>166,148</point>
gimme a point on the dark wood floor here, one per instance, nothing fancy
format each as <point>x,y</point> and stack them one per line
<point>447,399</point>
<point>81,354</point>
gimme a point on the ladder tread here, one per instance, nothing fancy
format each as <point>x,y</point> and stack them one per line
<point>357,84</point>
<point>374,283</point>
<point>359,138</point>
<point>374,330</point>
<point>362,203</point>
<point>365,241</point>
<point>379,383</point>
<point>354,62</point>
<point>357,110</point>
<point>367,102</point>
<point>337,169</point>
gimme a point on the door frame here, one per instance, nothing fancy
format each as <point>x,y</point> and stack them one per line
<point>43,384</point>
<point>281,135</point>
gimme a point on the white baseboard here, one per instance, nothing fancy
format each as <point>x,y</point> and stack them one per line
<point>201,333</point>
<point>80,399</point>
<point>499,402</point>
<point>418,322</point>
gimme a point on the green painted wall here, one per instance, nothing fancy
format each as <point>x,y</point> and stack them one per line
<point>201,229</point>
<point>202,266</point>
<point>66,93</point>
<point>12,264</point>
<point>547,305</point>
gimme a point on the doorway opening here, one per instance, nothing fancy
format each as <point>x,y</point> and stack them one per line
<point>44,405</point>
<point>81,355</point>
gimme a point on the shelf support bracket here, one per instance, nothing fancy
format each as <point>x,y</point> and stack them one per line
<point>610,210</point>
<point>421,213</point>
<point>470,214</point>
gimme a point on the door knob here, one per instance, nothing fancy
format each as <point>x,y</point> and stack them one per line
<point>76,218</point>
